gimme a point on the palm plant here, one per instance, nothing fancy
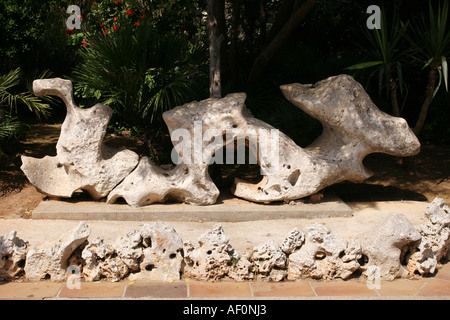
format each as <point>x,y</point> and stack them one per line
<point>10,125</point>
<point>139,72</point>
<point>385,55</point>
<point>430,41</point>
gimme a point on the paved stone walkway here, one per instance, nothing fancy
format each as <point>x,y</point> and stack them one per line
<point>437,287</point>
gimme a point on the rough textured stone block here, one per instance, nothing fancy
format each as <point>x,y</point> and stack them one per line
<point>52,260</point>
<point>82,160</point>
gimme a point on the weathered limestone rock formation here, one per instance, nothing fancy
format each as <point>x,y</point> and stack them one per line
<point>154,253</point>
<point>435,241</point>
<point>353,127</point>
<point>82,160</point>
<point>269,261</point>
<point>162,253</point>
<point>101,261</point>
<point>214,257</point>
<point>52,260</point>
<point>387,244</point>
<point>13,251</point>
<point>293,241</point>
<point>393,248</point>
<point>323,256</point>
<point>149,183</point>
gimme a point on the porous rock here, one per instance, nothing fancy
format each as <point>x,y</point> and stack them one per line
<point>52,260</point>
<point>387,244</point>
<point>435,242</point>
<point>101,261</point>
<point>214,258</point>
<point>162,253</point>
<point>13,252</point>
<point>293,241</point>
<point>353,127</point>
<point>323,256</point>
<point>129,249</point>
<point>269,261</point>
<point>82,161</point>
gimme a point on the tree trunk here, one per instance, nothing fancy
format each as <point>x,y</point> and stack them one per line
<point>278,41</point>
<point>432,78</point>
<point>394,101</point>
<point>216,29</point>
<point>235,22</point>
<point>262,23</point>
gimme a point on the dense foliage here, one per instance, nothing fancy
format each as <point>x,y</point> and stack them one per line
<point>142,57</point>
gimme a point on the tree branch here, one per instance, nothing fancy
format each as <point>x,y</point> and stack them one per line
<point>278,41</point>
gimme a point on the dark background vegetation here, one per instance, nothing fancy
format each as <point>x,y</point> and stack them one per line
<point>167,65</point>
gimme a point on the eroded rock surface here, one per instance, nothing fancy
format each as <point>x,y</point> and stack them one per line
<point>52,260</point>
<point>162,253</point>
<point>13,251</point>
<point>387,245</point>
<point>101,261</point>
<point>82,161</point>
<point>323,256</point>
<point>353,127</point>
<point>392,248</point>
<point>435,242</point>
<point>214,258</point>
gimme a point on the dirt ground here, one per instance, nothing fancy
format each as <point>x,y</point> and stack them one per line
<point>420,178</point>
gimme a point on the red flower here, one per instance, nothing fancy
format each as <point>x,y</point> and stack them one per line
<point>136,24</point>
<point>129,12</point>
<point>117,2</point>
<point>70,31</point>
<point>142,11</point>
<point>105,32</point>
<point>114,28</point>
<point>143,16</point>
<point>115,19</point>
<point>102,25</point>
<point>79,16</point>
<point>85,43</point>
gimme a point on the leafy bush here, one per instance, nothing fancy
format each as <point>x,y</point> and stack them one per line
<point>11,128</point>
<point>139,72</point>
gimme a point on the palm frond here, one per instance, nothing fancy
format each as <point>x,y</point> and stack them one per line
<point>8,98</point>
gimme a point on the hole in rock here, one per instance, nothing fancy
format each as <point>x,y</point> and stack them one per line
<point>234,161</point>
<point>407,250</point>
<point>293,177</point>
<point>147,242</point>
<point>320,255</point>
<point>120,200</point>
<point>363,260</point>
<point>149,267</point>
<point>21,263</point>
<point>172,256</point>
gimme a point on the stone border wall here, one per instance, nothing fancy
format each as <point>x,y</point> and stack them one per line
<point>393,249</point>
